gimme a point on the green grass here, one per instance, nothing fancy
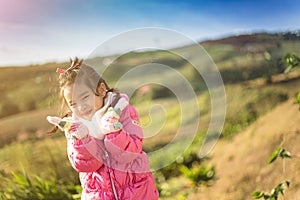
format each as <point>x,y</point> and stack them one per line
<point>45,157</point>
<point>245,105</point>
<point>16,186</point>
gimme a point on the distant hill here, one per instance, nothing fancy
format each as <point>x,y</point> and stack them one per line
<point>244,39</point>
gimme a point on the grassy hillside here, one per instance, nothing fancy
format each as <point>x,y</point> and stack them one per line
<point>244,167</point>
<point>250,66</point>
<point>27,88</point>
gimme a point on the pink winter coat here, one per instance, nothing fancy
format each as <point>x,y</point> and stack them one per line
<point>122,151</point>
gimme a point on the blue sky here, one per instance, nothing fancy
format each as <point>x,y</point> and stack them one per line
<point>39,31</point>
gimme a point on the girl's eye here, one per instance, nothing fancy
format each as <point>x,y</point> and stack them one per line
<point>73,105</point>
<point>86,97</point>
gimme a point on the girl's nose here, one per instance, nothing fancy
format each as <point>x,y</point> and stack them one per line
<point>82,107</point>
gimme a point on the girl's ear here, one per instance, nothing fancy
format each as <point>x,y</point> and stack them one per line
<point>101,90</point>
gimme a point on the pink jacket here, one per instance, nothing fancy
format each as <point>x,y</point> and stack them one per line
<point>119,154</point>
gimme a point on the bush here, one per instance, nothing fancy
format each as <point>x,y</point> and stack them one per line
<point>19,186</point>
<point>198,174</point>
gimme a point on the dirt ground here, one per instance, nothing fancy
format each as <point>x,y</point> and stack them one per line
<point>242,162</point>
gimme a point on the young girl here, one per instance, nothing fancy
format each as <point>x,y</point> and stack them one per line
<point>104,138</point>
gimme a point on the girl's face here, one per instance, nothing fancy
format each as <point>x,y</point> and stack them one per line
<point>83,101</point>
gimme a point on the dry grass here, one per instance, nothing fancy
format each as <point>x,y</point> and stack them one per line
<point>24,126</point>
<point>241,163</point>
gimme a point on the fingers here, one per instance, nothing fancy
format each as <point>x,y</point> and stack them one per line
<point>63,124</point>
<point>70,125</point>
<point>108,127</point>
<point>74,127</point>
<point>114,112</point>
<point>110,116</point>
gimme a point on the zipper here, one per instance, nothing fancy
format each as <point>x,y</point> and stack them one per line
<point>115,101</point>
<point>110,171</point>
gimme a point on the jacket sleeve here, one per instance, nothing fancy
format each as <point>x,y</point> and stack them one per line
<point>126,144</point>
<point>85,155</point>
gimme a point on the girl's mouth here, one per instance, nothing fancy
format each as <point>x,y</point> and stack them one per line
<point>88,113</point>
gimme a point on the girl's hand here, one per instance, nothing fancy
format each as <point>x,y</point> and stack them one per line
<point>63,124</point>
<point>110,121</point>
<point>79,130</point>
<point>72,127</point>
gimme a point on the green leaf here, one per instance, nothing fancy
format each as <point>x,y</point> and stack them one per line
<point>257,194</point>
<point>22,180</point>
<point>292,61</point>
<point>279,152</point>
<point>298,95</point>
<point>186,171</point>
<point>274,155</point>
<point>288,69</point>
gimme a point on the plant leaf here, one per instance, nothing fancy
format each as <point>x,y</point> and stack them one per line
<point>274,155</point>
<point>257,194</point>
<point>285,154</point>
<point>21,179</point>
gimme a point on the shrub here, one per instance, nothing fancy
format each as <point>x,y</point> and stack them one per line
<point>198,174</point>
<point>22,187</point>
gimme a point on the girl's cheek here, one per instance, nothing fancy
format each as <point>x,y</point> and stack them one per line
<point>76,112</point>
<point>98,104</point>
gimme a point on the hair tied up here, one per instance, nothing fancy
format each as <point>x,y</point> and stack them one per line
<point>74,63</point>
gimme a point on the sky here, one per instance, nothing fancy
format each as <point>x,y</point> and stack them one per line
<point>41,31</point>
